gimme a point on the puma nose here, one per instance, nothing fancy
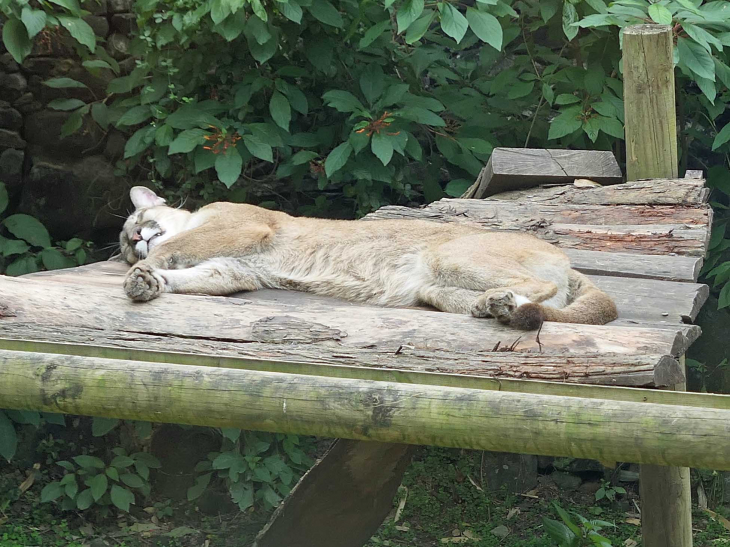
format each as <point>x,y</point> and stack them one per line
<point>137,234</point>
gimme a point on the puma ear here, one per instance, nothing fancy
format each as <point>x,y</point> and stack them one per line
<point>144,197</point>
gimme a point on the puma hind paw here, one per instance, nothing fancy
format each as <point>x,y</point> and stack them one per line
<point>498,304</point>
<point>143,283</point>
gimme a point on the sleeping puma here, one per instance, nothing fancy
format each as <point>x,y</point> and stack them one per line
<point>225,247</point>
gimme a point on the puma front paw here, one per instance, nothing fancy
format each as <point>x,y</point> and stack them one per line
<point>143,283</point>
<point>496,303</point>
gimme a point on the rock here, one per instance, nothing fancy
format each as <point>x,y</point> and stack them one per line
<point>43,129</point>
<point>565,481</point>
<point>120,6</point>
<point>9,117</point>
<point>576,465</point>
<point>27,104</point>
<point>8,64</point>
<point>515,472</point>
<point>115,143</point>
<point>97,7</point>
<point>11,167</point>
<point>74,198</point>
<point>500,531</point>
<point>589,487</point>
<point>11,139</point>
<point>125,23</point>
<point>53,43</point>
<point>12,86</point>
<point>118,46</point>
<point>99,23</point>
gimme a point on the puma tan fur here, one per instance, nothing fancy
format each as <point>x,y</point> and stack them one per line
<point>224,248</point>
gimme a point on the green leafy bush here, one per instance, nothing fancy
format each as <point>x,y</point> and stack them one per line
<point>256,468</point>
<point>569,534</point>
<point>28,247</point>
<point>8,435</point>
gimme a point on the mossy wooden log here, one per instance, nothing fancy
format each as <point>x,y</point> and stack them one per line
<point>600,429</point>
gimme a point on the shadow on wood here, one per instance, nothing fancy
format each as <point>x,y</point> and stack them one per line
<point>342,500</point>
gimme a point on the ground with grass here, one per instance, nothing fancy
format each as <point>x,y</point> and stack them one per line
<point>443,501</point>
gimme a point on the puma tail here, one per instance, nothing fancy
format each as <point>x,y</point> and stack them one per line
<point>588,305</point>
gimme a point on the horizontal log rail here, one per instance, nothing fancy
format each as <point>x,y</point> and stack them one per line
<point>486,419</point>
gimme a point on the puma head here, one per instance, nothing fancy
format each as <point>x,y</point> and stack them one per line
<point>151,223</point>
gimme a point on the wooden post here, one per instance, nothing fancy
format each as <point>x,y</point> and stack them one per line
<point>651,152</point>
<point>651,120</point>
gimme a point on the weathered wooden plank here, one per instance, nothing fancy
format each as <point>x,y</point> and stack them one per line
<point>687,192</point>
<point>603,429</point>
<point>514,168</point>
<point>35,303</point>
<point>665,267</point>
<point>638,300</point>
<point>654,239</point>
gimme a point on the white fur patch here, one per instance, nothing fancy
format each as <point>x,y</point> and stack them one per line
<point>519,300</point>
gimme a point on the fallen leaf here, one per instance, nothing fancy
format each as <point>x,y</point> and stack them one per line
<point>512,512</point>
<point>471,535</point>
<point>401,504</point>
<point>474,484</point>
<point>585,183</point>
<point>630,543</point>
<point>181,531</point>
<point>635,522</point>
<point>27,483</point>
<point>500,531</point>
<point>142,527</point>
<point>403,528</point>
<point>455,532</point>
<point>462,539</point>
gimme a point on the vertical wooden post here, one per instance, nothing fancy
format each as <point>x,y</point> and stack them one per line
<point>651,152</point>
<point>649,105</point>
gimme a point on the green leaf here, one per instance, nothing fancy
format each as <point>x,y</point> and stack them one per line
<point>558,532</point>
<point>8,438</point>
<point>408,12</point>
<point>101,426</point>
<point>121,497</point>
<point>660,15</point>
<point>257,148</point>
<point>372,82</point>
<point>231,433</point>
<point>570,16</point>
<point>72,487</point>
<point>343,101</point>
<point>259,30</point>
<point>85,499</point>
<point>70,5</point>
<point>486,27</point>
<point>563,125</point>
<point>722,137</point>
<point>148,459</point>
<point>89,461</point>
<point>456,188</point>
<point>382,146</point>
<point>56,419</point>
<point>611,126</point>
<point>228,166</point>
<point>707,87</point>
<point>22,266</point>
<point>80,30</point>
<point>139,142</point>
<point>373,33</point>
<point>453,22</point>
<point>4,199</point>
<point>324,11</point>
<point>61,83</point>
<point>121,462</point>
<point>33,19</point>
<point>520,89</point>
<point>98,485</point>
<point>135,116</point>
<point>201,483</point>
<point>186,141</point>
<point>100,114</point>
<point>112,473</point>
<point>95,64</point>
<point>421,115</point>
<point>696,58</point>
<point>291,10</point>
<point>14,247</point>
<point>418,28</point>
<point>548,8</point>
<point>131,479</point>
<point>260,52</point>
<point>701,36</point>
<point>280,110</point>
<point>303,156</point>
<point>29,229</point>
<point>52,491</point>
<point>74,122</point>
<point>66,104</point>
<point>337,159</point>
<point>16,40</point>
<point>53,259</point>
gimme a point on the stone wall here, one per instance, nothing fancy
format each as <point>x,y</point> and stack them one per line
<point>68,184</point>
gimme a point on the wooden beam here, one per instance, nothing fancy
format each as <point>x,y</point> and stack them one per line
<point>600,429</point>
<point>651,151</point>
<point>514,168</point>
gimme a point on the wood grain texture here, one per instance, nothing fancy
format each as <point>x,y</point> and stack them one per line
<point>600,429</point>
<point>514,168</point>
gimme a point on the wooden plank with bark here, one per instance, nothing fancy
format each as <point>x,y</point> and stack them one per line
<point>514,168</point>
